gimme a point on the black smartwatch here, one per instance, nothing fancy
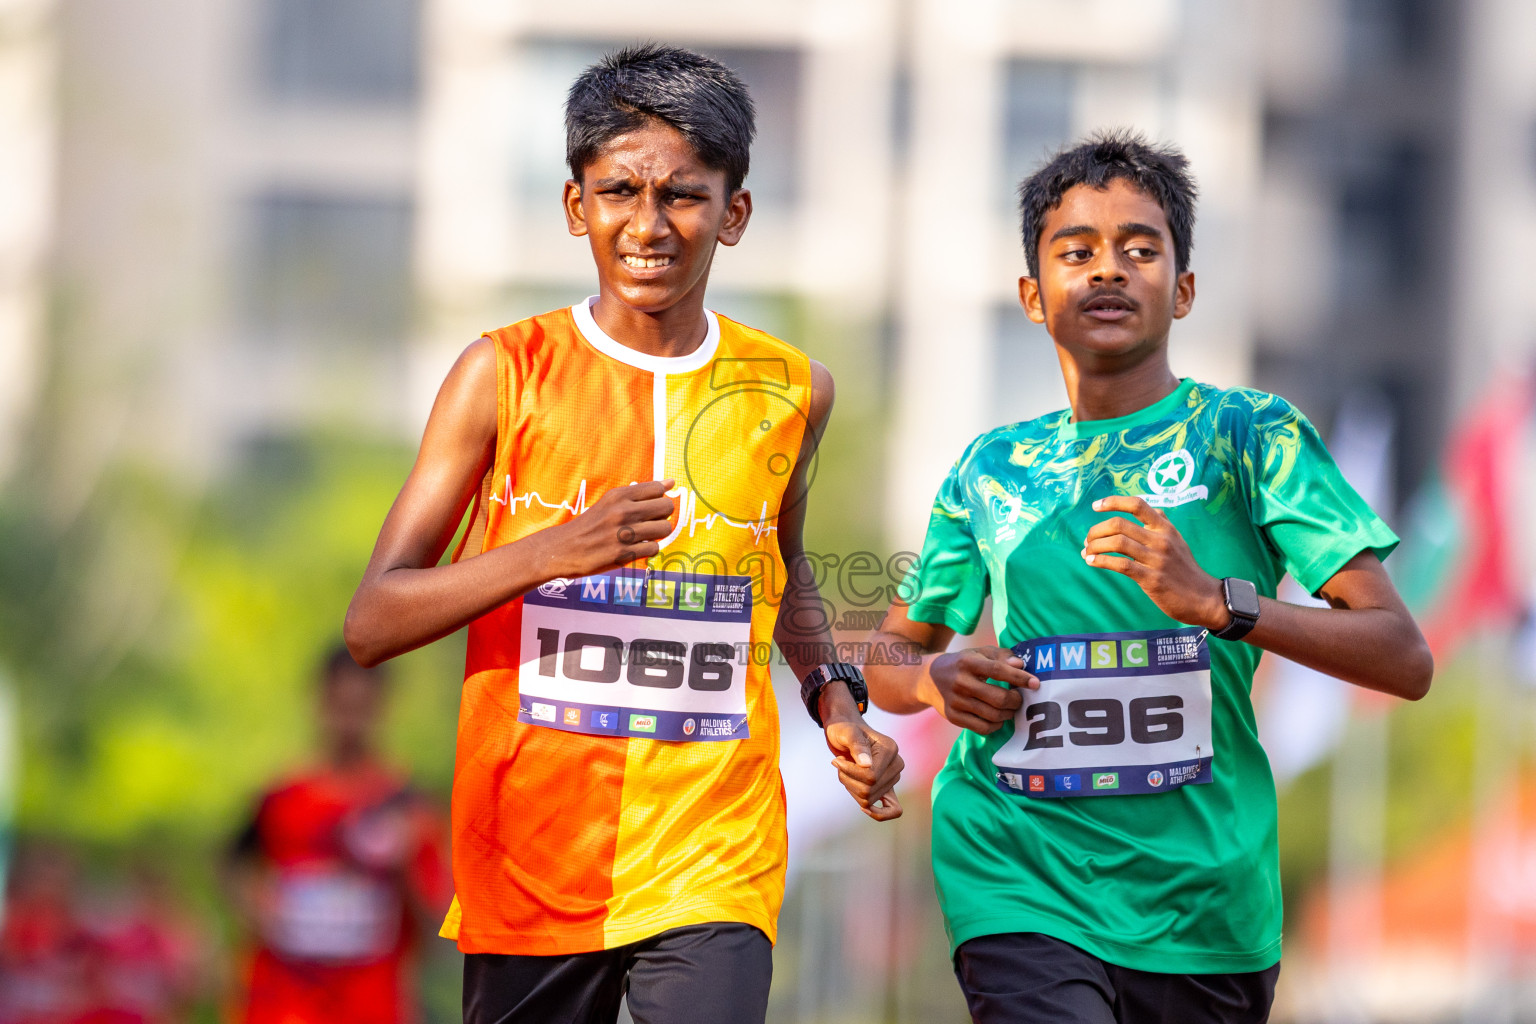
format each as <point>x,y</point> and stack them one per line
<point>1242,599</point>
<point>821,675</point>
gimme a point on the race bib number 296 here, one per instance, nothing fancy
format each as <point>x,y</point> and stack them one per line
<point>1117,714</point>
<point>652,655</point>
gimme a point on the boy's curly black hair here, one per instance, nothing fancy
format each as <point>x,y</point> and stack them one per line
<point>1162,172</point>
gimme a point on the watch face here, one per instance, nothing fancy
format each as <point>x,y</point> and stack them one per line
<point>1242,597</point>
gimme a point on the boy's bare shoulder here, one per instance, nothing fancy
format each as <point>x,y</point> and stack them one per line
<point>476,364</point>
<point>466,403</point>
<point>823,392</point>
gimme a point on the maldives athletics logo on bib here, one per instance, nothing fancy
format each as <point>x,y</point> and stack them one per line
<point>1170,478</point>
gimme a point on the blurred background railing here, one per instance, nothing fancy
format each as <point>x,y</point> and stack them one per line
<point>242,240</point>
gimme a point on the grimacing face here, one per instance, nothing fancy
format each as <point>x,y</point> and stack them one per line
<point>653,212</point>
<point>1108,288</point>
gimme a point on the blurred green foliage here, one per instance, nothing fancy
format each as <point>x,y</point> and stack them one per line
<point>1430,778</point>
<point>845,510</point>
<point>164,643</point>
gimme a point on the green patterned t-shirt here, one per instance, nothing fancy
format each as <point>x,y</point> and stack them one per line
<point>1134,815</point>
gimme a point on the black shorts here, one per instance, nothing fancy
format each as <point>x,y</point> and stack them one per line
<point>1028,978</point>
<point>704,973</point>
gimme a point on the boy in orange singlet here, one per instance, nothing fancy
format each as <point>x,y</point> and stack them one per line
<point>637,467</point>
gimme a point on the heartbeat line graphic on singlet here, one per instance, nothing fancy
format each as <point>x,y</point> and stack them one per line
<point>687,501</point>
<point>575,508</point>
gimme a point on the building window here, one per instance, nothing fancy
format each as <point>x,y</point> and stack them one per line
<point>902,114</point>
<point>348,51</point>
<point>1382,220</point>
<point>1037,119</point>
<point>773,77</point>
<point>1383,33</point>
<point>329,269</point>
<point>545,71</point>
<point>1531,138</point>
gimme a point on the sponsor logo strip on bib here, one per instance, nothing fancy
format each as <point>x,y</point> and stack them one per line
<point>1117,714</point>
<point>646,654</point>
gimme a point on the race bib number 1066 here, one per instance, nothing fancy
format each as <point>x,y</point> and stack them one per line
<point>652,655</point>
<point>1116,714</point>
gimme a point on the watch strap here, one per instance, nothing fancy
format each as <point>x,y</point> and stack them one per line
<point>818,677</point>
<point>1242,622</point>
<point>1239,627</point>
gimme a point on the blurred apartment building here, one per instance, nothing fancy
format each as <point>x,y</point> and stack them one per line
<point>267,215</point>
<point>1399,172</point>
<point>235,193</point>
<point>893,135</point>
<point>27,119</point>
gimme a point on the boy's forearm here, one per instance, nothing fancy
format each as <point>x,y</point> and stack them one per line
<point>403,608</point>
<point>1376,648</point>
<point>802,630</point>
<point>803,642</point>
<point>901,683</point>
<point>1366,636</point>
<point>406,599</point>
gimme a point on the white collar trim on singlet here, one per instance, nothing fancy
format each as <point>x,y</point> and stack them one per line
<point>659,367</point>
<point>587,325</point>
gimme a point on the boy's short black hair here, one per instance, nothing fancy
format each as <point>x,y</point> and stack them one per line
<point>703,99</point>
<point>1162,172</point>
<point>338,661</point>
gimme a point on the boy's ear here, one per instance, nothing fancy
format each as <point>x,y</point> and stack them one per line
<point>738,210</point>
<point>575,217</point>
<point>1183,294</point>
<point>1029,298</point>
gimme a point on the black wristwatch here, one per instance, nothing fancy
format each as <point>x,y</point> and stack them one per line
<point>1242,599</point>
<point>821,675</point>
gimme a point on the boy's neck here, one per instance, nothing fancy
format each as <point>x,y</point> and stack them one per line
<point>675,331</point>
<point>1109,394</point>
<point>347,758</point>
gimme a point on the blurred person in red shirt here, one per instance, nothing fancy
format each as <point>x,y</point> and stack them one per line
<point>148,959</point>
<point>339,873</point>
<point>138,964</point>
<point>45,952</point>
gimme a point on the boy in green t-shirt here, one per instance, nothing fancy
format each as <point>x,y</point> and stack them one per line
<point>1104,832</point>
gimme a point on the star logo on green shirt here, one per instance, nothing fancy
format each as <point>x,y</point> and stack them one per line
<point>1170,478</point>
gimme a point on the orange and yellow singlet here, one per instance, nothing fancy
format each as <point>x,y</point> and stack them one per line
<point>617,769</point>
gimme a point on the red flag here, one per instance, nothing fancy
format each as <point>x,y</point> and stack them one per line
<point>1481,462</point>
